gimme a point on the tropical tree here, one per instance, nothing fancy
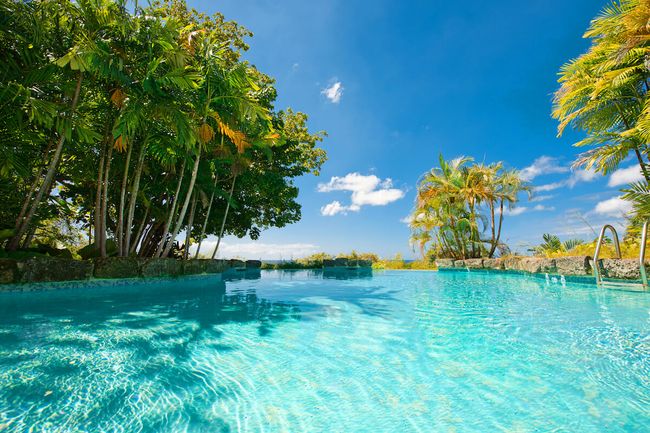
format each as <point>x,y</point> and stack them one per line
<point>458,202</point>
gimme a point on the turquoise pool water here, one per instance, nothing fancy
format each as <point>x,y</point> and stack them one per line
<point>336,352</point>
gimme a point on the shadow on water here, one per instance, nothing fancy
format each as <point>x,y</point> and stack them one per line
<point>79,341</point>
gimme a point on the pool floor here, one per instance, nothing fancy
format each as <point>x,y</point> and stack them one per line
<point>308,351</point>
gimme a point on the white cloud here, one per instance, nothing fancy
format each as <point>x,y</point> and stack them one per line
<point>541,166</point>
<point>518,210</point>
<point>576,177</point>
<point>550,186</point>
<point>333,208</point>
<point>366,191</point>
<point>333,92</point>
<point>256,250</point>
<point>625,176</point>
<point>581,176</point>
<point>515,210</point>
<point>615,206</point>
<point>541,198</point>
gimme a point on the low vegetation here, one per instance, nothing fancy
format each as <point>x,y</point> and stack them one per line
<point>316,261</point>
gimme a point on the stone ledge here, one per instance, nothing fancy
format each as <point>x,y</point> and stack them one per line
<point>577,266</point>
<point>52,269</point>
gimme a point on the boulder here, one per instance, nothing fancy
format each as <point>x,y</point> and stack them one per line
<point>340,261</point>
<point>327,263</point>
<point>159,267</point>
<point>216,266</point>
<point>253,264</point>
<point>117,267</point>
<point>8,271</point>
<point>459,263</point>
<point>621,268</point>
<point>195,267</point>
<point>512,263</point>
<point>493,263</point>
<point>445,263</point>
<point>235,263</point>
<point>578,265</point>
<point>43,269</point>
<point>364,263</point>
<point>537,265</point>
<point>474,263</point>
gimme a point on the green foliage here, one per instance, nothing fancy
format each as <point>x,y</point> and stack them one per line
<point>458,203</point>
<point>116,119</point>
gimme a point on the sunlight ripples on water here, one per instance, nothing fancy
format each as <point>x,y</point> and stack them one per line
<point>327,352</point>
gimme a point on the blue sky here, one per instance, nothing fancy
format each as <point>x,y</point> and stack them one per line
<point>396,83</point>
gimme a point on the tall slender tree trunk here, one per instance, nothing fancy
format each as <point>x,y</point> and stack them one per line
<point>225,216</point>
<point>493,241</point>
<point>51,171</point>
<point>134,196</point>
<point>107,172</point>
<point>32,188</point>
<point>496,241</point>
<point>98,198</point>
<point>188,230</point>
<point>138,235</point>
<point>120,211</point>
<point>186,203</point>
<point>172,212</point>
<point>207,216</point>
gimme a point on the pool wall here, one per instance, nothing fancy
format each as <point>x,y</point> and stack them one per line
<point>29,274</point>
<point>578,267</point>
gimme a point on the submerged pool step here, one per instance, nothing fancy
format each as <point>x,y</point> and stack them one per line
<point>623,285</point>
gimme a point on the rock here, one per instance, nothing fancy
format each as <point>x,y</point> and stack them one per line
<point>493,263</point>
<point>445,263</point>
<point>216,266</point>
<point>253,264</point>
<point>117,267</point>
<point>341,261</point>
<point>512,263</point>
<point>327,263</point>
<point>474,263</point>
<point>235,263</point>
<point>573,265</point>
<point>160,267</point>
<point>621,268</point>
<point>459,263</point>
<point>43,269</point>
<point>364,263</point>
<point>8,271</point>
<point>537,265</point>
<point>195,267</point>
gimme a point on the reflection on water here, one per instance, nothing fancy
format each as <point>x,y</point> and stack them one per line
<point>326,350</point>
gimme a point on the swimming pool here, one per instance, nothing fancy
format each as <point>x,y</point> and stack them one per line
<point>309,351</point>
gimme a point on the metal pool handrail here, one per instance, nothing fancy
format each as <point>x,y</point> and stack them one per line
<point>644,237</point>
<point>617,246</point>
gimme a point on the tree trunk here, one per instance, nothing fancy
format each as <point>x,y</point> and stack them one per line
<point>496,241</point>
<point>32,188</point>
<point>120,212</point>
<point>493,242</point>
<point>188,197</point>
<point>172,212</point>
<point>54,163</point>
<point>138,235</point>
<point>105,199</point>
<point>207,216</point>
<point>134,196</point>
<point>98,198</point>
<point>225,216</point>
<point>188,230</point>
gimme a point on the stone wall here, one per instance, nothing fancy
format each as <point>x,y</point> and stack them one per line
<point>578,266</point>
<point>51,269</point>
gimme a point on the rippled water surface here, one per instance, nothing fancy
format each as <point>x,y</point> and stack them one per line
<point>313,352</point>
